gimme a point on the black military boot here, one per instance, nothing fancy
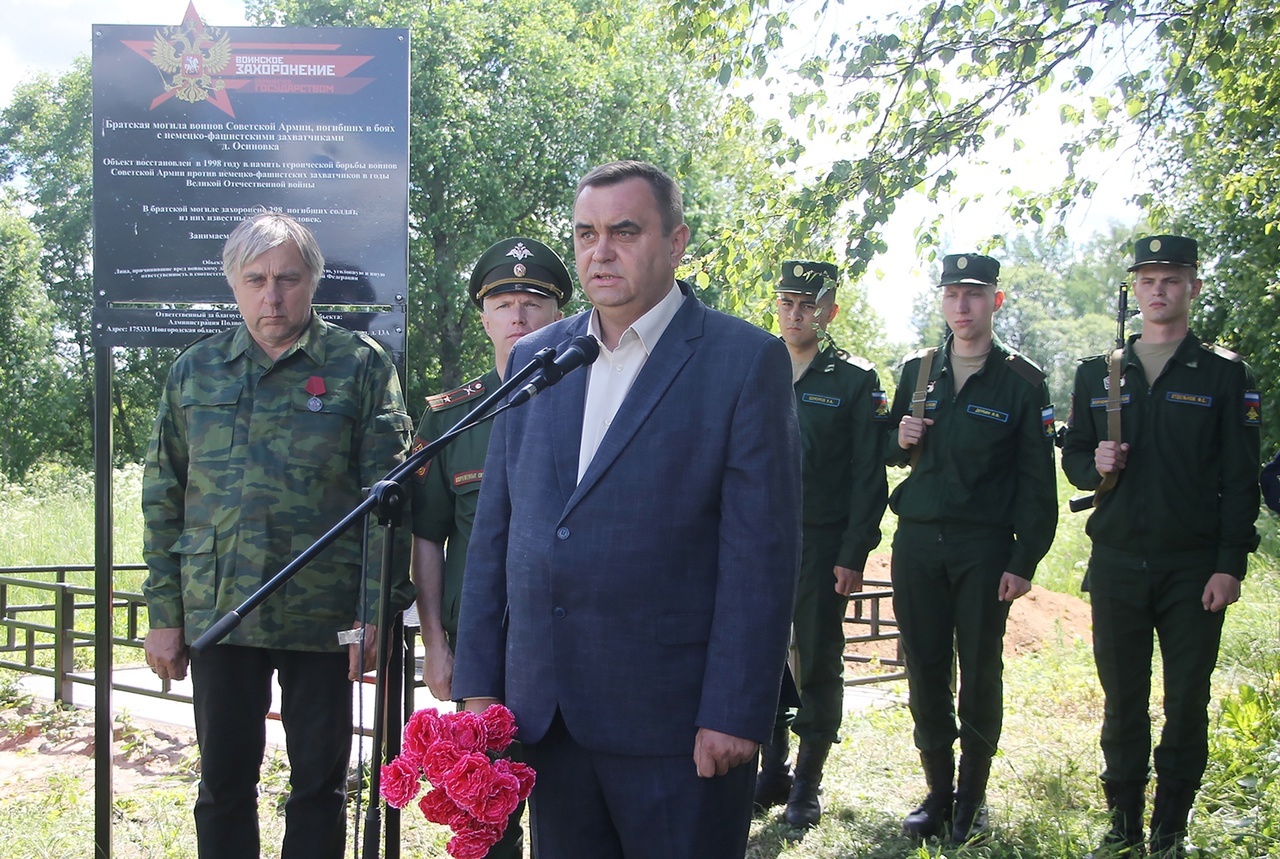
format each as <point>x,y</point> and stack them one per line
<point>773,782</point>
<point>804,808</point>
<point>1169,813</point>
<point>1126,800</point>
<point>970,816</point>
<point>933,815</point>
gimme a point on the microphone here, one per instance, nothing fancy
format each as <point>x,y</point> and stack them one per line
<point>581,351</point>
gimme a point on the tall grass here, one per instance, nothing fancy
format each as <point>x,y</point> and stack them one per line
<point>49,519</point>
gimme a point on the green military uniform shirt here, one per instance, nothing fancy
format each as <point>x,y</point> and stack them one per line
<point>250,462</point>
<point>1190,483</point>
<point>988,458</point>
<point>447,489</point>
<point>842,412</point>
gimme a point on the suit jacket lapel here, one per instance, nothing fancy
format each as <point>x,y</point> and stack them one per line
<point>664,363</point>
<point>567,440</point>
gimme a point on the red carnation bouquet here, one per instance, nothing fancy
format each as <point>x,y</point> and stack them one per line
<point>472,791</point>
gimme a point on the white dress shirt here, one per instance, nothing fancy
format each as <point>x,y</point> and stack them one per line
<point>613,372</point>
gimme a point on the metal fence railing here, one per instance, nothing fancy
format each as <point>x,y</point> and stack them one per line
<point>45,620</point>
<point>870,624</point>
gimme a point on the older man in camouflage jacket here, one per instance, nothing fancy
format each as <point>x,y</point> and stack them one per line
<point>265,435</point>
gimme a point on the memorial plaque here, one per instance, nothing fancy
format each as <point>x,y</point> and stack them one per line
<point>196,126</point>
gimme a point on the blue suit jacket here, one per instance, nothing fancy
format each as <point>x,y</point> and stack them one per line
<point>654,597</point>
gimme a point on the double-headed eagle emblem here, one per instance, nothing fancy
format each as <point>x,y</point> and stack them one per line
<point>189,56</point>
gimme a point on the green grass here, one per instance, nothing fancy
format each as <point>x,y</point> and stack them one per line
<point>1045,797</point>
<point>50,519</point>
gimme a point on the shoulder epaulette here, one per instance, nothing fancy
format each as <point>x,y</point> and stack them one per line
<point>857,361</point>
<point>1025,368</point>
<point>919,353</point>
<point>1223,352</point>
<point>472,389</point>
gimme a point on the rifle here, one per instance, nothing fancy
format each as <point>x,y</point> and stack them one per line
<point>1115,372</point>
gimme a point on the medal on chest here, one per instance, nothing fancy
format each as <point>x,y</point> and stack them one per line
<point>315,387</point>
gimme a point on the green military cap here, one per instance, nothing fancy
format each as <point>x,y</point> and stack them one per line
<point>969,268</point>
<point>1165,250</point>
<point>808,278</point>
<point>521,265</point>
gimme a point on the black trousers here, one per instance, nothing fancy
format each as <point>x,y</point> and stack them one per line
<point>232,695</point>
<point>1132,607</point>
<point>946,581</point>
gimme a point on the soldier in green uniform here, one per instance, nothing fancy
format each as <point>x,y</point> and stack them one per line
<point>842,412</point>
<point>519,284</point>
<point>975,515</point>
<point>265,436</point>
<point>1170,540</point>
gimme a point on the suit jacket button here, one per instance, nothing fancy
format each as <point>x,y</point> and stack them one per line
<point>563,533</point>
<point>559,612</point>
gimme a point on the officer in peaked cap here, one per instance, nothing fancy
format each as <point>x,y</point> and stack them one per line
<point>521,265</point>
<point>1171,538</point>
<point>976,514</point>
<point>842,413</point>
<point>520,285</point>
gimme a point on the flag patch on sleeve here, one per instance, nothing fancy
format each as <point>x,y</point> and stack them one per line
<point>1252,408</point>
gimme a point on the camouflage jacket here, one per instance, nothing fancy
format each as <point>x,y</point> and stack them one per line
<point>250,461</point>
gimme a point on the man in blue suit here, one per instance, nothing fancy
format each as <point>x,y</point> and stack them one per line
<point>630,579</point>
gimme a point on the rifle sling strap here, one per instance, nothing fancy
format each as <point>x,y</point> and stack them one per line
<point>921,392</point>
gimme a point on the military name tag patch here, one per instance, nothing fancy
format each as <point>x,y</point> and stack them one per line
<point>820,400</point>
<point>1252,408</point>
<point>1046,419</point>
<point>1189,399</point>
<point>989,414</point>
<point>462,478</point>
<point>1101,402</point>
<point>880,405</point>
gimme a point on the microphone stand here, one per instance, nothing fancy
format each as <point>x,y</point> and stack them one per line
<point>387,496</point>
